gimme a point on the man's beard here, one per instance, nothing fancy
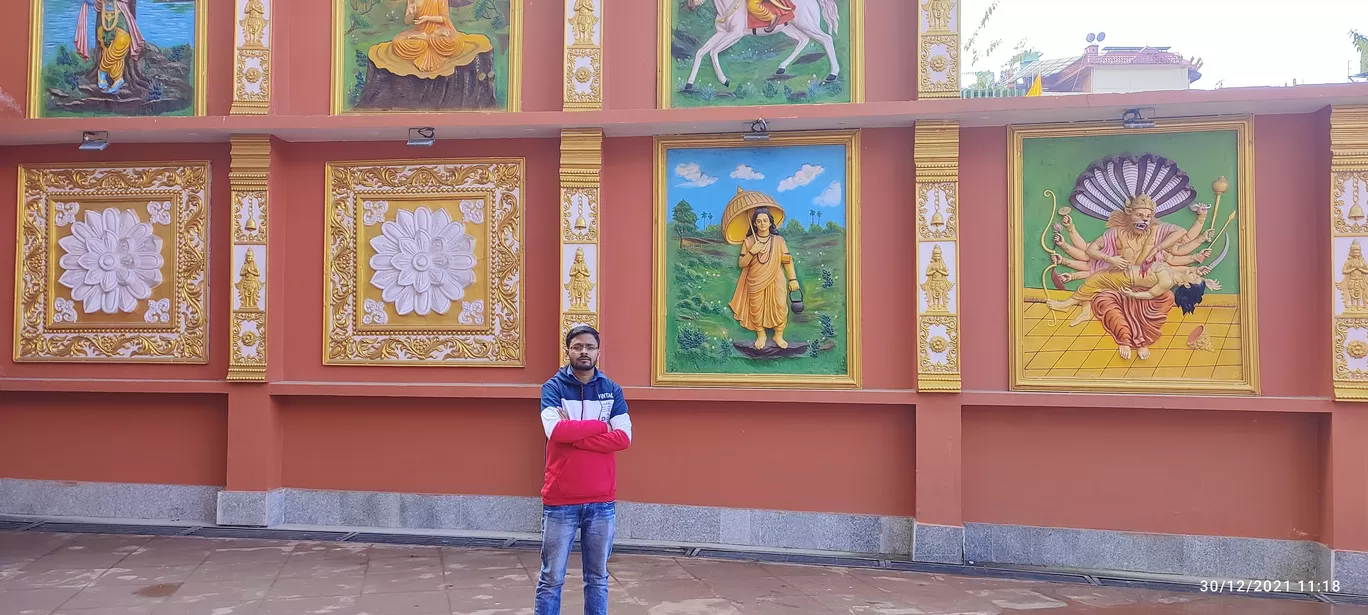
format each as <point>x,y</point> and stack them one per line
<point>584,363</point>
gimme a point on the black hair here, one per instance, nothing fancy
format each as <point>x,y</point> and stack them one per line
<point>774,228</point>
<point>1189,296</point>
<point>579,330</point>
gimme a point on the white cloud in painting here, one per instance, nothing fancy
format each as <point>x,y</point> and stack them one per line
<point>830,197</point>
<point>693,175</point>
<point>744,171</point>
<point>803,177</point>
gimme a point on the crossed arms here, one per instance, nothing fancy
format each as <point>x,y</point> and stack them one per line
<point>591,435</point>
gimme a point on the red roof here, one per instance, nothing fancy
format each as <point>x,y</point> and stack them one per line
<point>1066,79</point>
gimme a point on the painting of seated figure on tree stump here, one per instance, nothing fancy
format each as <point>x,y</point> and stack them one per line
<point>426,55</point>
<point>100,58</point>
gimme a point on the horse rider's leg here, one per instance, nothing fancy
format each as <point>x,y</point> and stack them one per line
<point>802,41</point>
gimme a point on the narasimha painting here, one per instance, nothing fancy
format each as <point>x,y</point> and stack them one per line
<point>722,53</point>
<point>755,262</point>
<point>118,58</point>
<point>426,55</point>
<point>1132,271</point>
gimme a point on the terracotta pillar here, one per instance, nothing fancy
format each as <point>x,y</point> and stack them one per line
<point>254,435</point>
<point>1346,499</point>
<point>939,533</point>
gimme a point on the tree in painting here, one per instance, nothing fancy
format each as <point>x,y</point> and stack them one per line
<point>118,57</point>
<point>426,55</point>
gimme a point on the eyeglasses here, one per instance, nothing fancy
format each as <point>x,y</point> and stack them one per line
<point>581,348</point>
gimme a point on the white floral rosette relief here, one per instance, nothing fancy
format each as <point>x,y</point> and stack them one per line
<point>423,261</point>
<point>112,261</point>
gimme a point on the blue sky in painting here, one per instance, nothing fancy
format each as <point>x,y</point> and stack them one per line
<point>800,178</point>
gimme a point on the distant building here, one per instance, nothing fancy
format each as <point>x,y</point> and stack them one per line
<point>1098,71</point>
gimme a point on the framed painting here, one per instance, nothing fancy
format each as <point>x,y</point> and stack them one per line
<point>746,292</point>
<point>423,263</point>
<point>1132,259</point>
<point>113,263</point>
<point>426,55</point>
<point>730,53</point>
<point>103,58</point>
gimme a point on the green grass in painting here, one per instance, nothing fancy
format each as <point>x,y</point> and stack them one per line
<point>68,71</point>
<point>701,278</point>
<point>750,65</point>
<point>385,19</point>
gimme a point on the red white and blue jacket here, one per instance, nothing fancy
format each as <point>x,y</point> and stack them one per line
<point>581,467</point>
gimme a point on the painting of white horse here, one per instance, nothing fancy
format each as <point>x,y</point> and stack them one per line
<point>742,40</point>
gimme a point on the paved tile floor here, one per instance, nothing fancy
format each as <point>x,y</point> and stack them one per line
<point>87,574</point>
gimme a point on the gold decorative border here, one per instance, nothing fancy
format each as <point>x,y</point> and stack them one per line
<point>581,165</point>
<point>936,156</point>
<point>35,77</point>
<point>928,36</point>
<point>664,59</point>
<point>1243,126</point>
<point>498,345</point>
<point>515,73</point>
<point>1348,167</point>
<point>252,59</point>
<point>251,156</point>
<point>850,139</point>
<point>186,184</point>
<point>583,55</point>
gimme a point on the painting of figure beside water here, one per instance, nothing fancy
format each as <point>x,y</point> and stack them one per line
<point>426,55</point>
<point>757,266</point>
<point>118,58</point>
<point>723,53</point>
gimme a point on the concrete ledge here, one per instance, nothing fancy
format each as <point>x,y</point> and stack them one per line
<point>1194,556</point>
<point>870,534</point>
<point>940,544</point>
<point>53,498</point>
<point>1350,568</point>
<point>253,508</point>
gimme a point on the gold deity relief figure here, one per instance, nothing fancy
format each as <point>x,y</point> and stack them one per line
<point>582,23</point>
<point>249,282</point>
<point>761,302</point>
<point>1141,266</point>
<point>1354,287</point>
<point>432,47</point>
<point>253,24</point>
<point>937,285</point>
<point>579,286</point>
<point>938,14</point>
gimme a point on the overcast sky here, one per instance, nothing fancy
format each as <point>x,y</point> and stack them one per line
<point>1243,42</point>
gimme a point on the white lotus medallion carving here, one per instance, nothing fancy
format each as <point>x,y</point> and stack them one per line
<point>112,261</point>
<point>423,261</point>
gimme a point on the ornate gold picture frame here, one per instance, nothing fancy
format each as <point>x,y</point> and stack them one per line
<point>748,291</point>
<point>112,263</point>
<point>423,263</point>
<point>1132,257</point>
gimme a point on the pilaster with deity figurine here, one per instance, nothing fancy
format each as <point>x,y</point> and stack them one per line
<point>937,163</point>
<point>1348,233</point>
<point>581,164</point>
<point>938,49</point>
<point>583,55</point>
<point>247,180</point>
<point>252,58</point>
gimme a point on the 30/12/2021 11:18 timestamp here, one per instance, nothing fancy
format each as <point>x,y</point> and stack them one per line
<point>1262,586</point>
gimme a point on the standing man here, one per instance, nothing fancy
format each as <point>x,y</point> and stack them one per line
<point>586,423</point>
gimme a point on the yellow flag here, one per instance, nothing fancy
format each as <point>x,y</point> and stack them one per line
<point>1035,87</point>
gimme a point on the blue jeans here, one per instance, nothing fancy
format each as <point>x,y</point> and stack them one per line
<point>596,524</point>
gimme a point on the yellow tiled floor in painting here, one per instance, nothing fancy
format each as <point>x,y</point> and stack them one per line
<point>1057,350</point>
